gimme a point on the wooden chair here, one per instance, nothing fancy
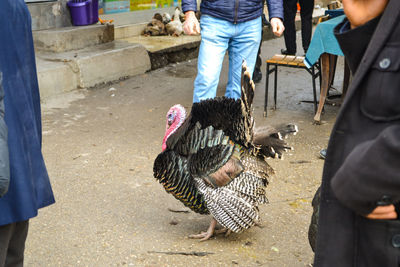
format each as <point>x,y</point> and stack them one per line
<point>292,62</point>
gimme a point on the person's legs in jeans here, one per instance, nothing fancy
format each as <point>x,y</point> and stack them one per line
<point>244,45</point>
<point>215,35</point>
<point>289,13</point>
<point>306,11</point>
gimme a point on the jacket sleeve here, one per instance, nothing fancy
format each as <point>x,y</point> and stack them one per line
<point>370,173</point>
<point>4,157</point>
<point>275,9</point>
<point>189,5</point>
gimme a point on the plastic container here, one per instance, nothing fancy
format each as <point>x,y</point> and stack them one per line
<point>84,13</point>
<point>94,11</point>
<point>80,13</point>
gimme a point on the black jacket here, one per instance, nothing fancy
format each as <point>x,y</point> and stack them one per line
<point>362,165</point>
<point>235,10</point>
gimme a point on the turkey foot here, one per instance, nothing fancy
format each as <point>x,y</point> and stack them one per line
<point>224,231</point>
<point>206,235</point>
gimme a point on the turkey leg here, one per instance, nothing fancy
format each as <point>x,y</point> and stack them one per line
<point>206,235</point>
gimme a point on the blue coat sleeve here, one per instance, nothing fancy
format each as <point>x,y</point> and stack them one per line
<point>4,157</point>
<point>275,9</point>
<point>30,187</point>
<point>189,5</point>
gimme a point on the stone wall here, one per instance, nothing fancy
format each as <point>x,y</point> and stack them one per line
<point>49,15</point>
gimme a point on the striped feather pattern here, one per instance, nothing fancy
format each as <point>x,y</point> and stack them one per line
<point>211,163</point>
<point>172,172</point>
<point>235,206</point>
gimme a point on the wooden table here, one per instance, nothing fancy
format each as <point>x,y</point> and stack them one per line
<point>328,67</point>
<point>325,47</point>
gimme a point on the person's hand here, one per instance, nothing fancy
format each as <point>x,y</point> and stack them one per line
<point>191,25</point>
<point>383,212</point>
<point>277,26</point>
<point>359,12</point>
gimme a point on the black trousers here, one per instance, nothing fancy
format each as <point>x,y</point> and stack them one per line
<point>12,244</point>
<point>289,12</point>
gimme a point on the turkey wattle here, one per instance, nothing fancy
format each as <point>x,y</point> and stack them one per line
<point>213,162</point>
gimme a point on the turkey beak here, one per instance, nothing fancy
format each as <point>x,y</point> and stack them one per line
<point>170,120</point>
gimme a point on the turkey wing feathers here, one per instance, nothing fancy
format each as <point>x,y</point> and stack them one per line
<point>212,155</point>
<point>208,148</point>
<point>234,206</point>
<point>223,114</point>
<point>171,171</point>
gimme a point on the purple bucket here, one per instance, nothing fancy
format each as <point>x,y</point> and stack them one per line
<point>94,11</point>
<point>80,13</point>
<point>84,12</point>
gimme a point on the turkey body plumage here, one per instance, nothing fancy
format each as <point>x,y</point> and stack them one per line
<point>210,162</point>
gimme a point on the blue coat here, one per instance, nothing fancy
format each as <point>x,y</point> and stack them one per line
<point>29,187</point>
<point>4,163</point>
<point>235,10</point>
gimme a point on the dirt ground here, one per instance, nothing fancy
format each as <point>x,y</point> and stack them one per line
<point>99,146</point>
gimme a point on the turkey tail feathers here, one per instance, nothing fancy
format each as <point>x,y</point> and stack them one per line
<point>228,207</point>
<point>248,87</point>
<point>287,129</point>
<point>235,205</point>
<point>270,140</point>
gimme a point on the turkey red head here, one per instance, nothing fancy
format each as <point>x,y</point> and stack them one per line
<point>175,117</point>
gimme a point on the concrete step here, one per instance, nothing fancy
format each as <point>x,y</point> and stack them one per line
<point>47,15</point>
<point>128,24</point>
<point>168,49</point>
<point>55,77</point>
<point>72,38</point>
<point>129,30</point>
<point>63,72</point>
<point>139,16</point>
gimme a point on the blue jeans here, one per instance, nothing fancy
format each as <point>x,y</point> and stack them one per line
<point>242,41</point>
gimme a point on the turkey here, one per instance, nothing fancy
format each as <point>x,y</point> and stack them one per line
<point>155,27</point>
<point>214,163</point>
<point>175,26</point>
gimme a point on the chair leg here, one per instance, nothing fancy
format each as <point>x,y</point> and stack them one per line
<point>275,84</point>
<point>266,90</point>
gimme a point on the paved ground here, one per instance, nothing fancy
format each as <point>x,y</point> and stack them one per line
<point>110,211</point>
